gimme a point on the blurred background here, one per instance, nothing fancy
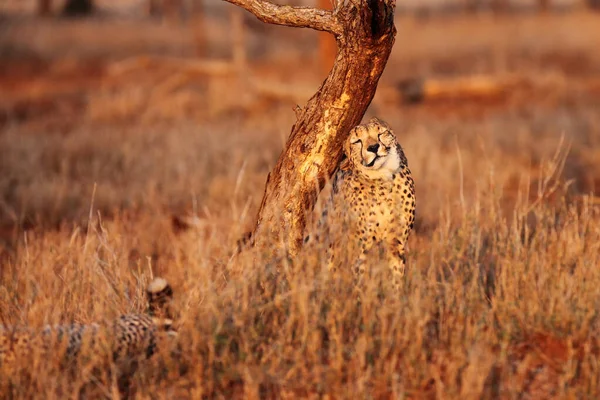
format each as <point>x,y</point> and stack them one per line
<point>174,108</point>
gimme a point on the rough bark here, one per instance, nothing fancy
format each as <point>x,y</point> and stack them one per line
<point>298,17</point>
<point>365,32</point>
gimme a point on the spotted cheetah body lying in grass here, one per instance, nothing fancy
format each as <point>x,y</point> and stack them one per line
<point>131,335</point>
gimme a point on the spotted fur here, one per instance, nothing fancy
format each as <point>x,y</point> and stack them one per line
<point>372,206</point>
<point>130,335</point>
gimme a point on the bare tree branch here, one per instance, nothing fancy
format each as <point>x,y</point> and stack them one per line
<point>298,17</point>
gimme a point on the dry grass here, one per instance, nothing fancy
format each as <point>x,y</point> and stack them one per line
<point>500,300</point>
<point>490,283</point>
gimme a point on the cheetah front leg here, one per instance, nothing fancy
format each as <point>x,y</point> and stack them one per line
<point>396,261</point>
<point>365,247</point>
<point>359,269</point>
<point>330,259</point>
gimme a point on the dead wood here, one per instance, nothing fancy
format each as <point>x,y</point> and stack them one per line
<point>416,90</point>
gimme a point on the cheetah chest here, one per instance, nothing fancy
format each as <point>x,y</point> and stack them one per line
<point>382,206</point>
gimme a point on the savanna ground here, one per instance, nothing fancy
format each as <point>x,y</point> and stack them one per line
<point>115,168</point>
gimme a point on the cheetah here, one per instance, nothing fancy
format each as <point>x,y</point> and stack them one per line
<point>130,335</point>
<point>372,202</point>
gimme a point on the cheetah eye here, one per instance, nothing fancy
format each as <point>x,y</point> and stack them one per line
<point>384,134</point>
<point>355,141</point>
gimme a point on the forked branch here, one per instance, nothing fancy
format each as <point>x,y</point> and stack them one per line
<point>298,17</point>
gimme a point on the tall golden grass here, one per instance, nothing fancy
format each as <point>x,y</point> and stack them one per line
<point>500,297</point>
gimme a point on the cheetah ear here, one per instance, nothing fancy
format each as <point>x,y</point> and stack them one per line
<point>378,121</point>
<point>159,293</point>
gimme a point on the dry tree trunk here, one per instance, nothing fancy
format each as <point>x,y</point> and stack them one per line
<point>365,32</point>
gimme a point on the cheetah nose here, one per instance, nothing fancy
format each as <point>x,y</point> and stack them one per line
<point>373,148</point>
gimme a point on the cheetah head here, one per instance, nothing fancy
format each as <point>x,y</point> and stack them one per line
<point>159,294</point>
<point>372,148</point>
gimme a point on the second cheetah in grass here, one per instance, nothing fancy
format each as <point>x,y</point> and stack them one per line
<point>372,204</point>
<point>131,335</point>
